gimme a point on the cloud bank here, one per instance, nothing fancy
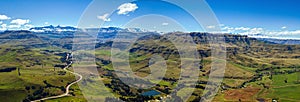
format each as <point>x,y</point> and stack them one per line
<point>258,31</point>
<point>15,24</point>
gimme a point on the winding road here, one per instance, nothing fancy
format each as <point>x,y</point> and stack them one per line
<point>67,88</point>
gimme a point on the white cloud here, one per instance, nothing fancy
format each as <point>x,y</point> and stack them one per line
<point>20,21</point>
<point>211,27</point>
<point>38,31</point>
<point>46,23</point>
<point>3,27</point>
<point>126,8</point>
<point>28,26</point>
<point>104,17</point>
<point>263,32</point>
<point>165,24</point>
<point>1,22</point>
<point>19,27</point>
<point>243,28</point>
<point>14,26</point>
<point>222,25</point>
<point>254,31</point>
<point>4,17</point>
<point>284,27</point>
<point>293,32</point>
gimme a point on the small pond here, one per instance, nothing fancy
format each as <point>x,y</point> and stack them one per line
<point>151,93</point>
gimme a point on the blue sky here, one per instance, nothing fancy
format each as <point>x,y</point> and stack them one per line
<point>273,17</point>
<point>63,12</point>
<point>271,14</point>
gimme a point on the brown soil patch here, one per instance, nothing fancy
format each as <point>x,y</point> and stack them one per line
<point>245,94</point>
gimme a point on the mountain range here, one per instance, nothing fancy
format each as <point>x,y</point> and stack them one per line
<point>109,33</point>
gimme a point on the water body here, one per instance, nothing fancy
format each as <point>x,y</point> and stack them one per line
<point>151,93</point>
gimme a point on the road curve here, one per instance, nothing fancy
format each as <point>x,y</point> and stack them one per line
<point>67,88</point>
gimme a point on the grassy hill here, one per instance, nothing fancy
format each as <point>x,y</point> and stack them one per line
<point>31,68</point>
<point>251,71</point>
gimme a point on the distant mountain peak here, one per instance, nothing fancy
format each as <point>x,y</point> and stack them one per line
<point>59,28</point>
<point>52,28</point>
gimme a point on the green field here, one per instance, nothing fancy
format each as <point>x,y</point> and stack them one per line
<point>285,91</point>
<point>34,73</point>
